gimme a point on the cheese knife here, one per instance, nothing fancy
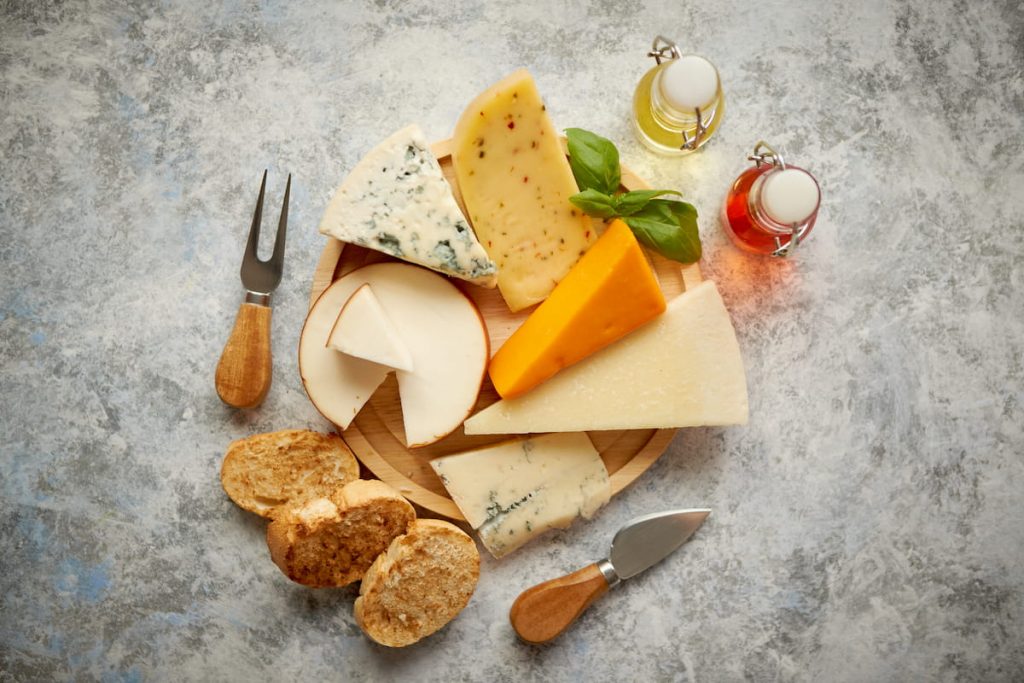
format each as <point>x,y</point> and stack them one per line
<point>543,612</point>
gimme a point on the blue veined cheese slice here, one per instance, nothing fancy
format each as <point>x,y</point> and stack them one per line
<point>513,491</point>
<point>397,201</point>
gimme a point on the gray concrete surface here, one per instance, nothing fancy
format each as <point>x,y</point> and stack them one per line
<point>868,522</point>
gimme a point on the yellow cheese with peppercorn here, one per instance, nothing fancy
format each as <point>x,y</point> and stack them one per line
<point>516,184</point>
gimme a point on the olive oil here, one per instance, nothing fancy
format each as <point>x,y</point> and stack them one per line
<point>678,105</point>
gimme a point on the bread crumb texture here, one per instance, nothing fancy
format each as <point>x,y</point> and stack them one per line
<point>332,541</point>
<point>421,583</point>
<point>264,472</point>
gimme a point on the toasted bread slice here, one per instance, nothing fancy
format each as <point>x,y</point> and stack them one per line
<point>262,472</point>
<point>422,582</point>
<point>332,541</point>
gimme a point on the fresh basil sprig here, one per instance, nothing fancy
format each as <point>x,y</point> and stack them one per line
<point>667,226</point>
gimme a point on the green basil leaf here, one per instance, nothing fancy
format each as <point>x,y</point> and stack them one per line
<point>669,228</point>
<point>630,202</point>
<point>594,203</point>
<point>594,161</point>
<point>681,210</point>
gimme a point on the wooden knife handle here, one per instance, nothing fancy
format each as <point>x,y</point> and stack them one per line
<point>244,370</point>
<point>543,612</point>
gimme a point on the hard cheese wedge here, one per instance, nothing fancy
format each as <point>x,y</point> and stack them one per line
<point>516,184</point>
<point>608,294</point>
<point>683,369</point>
<point>397,201</point>
<point>363,330</point>
<point>514,491</point>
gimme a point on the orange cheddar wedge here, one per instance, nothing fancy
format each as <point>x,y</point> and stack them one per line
<point>609,293</point>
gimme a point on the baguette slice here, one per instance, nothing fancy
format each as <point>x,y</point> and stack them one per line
<point>263,472</point>
<point>422,582</point>
<point>332,541</point>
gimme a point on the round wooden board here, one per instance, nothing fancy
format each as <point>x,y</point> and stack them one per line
<point>377,435</point>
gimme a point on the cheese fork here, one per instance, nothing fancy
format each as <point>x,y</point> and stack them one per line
<point>244,371</point>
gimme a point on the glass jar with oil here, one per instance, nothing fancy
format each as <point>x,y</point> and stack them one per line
<point>772,206</point>
<point>678,104</point>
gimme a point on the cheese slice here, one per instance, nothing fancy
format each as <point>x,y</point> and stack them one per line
<point>516,183</point>
<point>339,385</point>
<point>514,491</point>
<point>683,369</point>
<point>609,293</point>
<point>397,201</point>
<point>437,322</point>
<point>363,330</point>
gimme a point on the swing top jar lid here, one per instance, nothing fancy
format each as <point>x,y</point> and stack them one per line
<point>689,82</point>
<point>790,195</point>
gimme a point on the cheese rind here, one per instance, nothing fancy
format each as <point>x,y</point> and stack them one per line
<point>513,491</point>
<point>397,201</point>
<point>516,183</point>
<point>682,369</point>
<point>363,330</point>
<point>609,293</point>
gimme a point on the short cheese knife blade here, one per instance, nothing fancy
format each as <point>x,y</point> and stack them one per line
<point>543,612</point>
<point>646,541</point>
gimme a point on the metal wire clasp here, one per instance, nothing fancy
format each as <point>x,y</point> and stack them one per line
<point>698,135</point>
<point>663,48</point>
<point>766,154</point>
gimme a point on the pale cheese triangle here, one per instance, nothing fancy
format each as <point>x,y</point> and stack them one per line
<point>683,369</point>
<point>364,330</point>
<point>397,201</point>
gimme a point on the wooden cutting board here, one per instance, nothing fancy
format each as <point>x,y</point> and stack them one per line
<point>377,436</point>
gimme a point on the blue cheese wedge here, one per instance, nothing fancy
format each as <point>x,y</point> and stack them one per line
<point>514,491</point>
<point>397,201</point>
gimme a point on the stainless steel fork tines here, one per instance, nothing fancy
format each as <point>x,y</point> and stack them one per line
<point>260,278</point>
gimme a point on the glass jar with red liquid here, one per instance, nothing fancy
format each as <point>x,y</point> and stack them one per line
<point>772,206</point>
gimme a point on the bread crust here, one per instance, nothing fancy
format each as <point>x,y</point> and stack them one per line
<point>260,473</point>
<point>424,579</point>
<point>332,541</point>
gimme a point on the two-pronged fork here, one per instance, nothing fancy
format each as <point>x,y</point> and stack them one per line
<point>244,370</point>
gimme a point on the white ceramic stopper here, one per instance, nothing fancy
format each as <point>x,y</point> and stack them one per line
<point>689,82</point>
<point>789,196</point>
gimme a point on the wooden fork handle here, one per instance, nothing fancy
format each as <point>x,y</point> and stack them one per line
<point>244,370</point>
<point>543,612</point>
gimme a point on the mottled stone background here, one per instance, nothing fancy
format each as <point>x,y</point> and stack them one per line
<point>868,522</point>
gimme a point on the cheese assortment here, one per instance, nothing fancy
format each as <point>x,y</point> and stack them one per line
<point>682,370</point>
<point>397,201</point>
<point>514,491</point>
<point>516,184</point>
<point>363,330</point>
<point>608,294</point>
<point>602,351</point>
